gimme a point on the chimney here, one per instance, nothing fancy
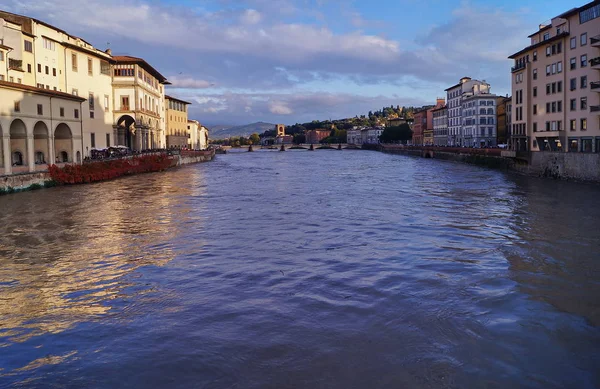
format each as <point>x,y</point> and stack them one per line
<point>108,51</point>
<point>440,101</point>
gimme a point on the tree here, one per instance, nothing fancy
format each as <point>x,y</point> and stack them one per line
<point>299,139</point>
<point>400,133</point>
<point>255,139</point>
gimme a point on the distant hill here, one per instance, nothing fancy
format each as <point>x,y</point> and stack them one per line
<point>222,132</point>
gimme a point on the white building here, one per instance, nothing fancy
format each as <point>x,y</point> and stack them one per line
<point>354,136</point>
<point>454,105</point>
<point>198,135</point>
<point>479,125</point>
<point>440,126</point>
<point>371,135</point>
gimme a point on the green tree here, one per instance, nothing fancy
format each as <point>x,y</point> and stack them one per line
<point>401,133</point>
<point>255,139</point>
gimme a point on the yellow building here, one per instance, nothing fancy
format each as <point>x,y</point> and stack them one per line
<point>177,122</point>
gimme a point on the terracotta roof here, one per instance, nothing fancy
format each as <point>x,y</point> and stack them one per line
<point>40,91</point>
<point>126,59</point>
<point>176,99</point>
<point>95,53</point>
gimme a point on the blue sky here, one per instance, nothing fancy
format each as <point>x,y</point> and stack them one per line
<point>291,61</point>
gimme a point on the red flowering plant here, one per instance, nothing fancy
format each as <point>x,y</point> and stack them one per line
<point>106,170</point>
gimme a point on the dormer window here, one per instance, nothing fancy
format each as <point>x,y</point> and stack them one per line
<point>558,30</point>
<point>546,36</point>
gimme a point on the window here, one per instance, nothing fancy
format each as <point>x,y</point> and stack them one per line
<point>40,109</point>
<point>91,101</point>
<point>553,68</point>
<point>62,112</point>
<point>92,114</point>
<point>583,83</point>
<point>534,55</point>
<point>559,106</point>
<point>106,102</point>
<point>28,68</point>
<point>583,39</point>
<point>534,127</point>
<point>107,140</point>
<point>573,104</point>
<point>547,36</point>
<point>573,83</point>
<point>39,68</point>
<point>11,79</point>
<point>535,74</point>
<point>90,67</point>
<point>572,125</point>
<point>548,50</point>
<point>559,86</point>
<point>559,67</point>
<point>76,113</point>
<point>559,125</point>
<point>19,81</point>
<point>573,62</point>
<point>547,107</point>
<point>17,106</point>
<point>548,86</point>
<point>589,14</point>
<point>74,61</point>
<point>553,88</point>
<point>93,139</point>
<point>105,68</point>
<point>124,103</point>
<point>583,124</point>
<point>553,106</point>
<point>47,70</point>
<point>535,91</point>
<point>54,72</point>
<point>583,60</point>
<point>41,86</point>
<point>28,46</point>
<point>583,103</point>
<point>535,109</point>
<point>49,44</point>
<point>547,126</point>
<point>548,70</point>
<point>553,126</point>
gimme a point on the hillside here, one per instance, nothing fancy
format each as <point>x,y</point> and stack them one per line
<point>222,132</point>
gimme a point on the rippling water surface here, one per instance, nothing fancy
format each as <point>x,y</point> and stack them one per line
<point>303,270</point>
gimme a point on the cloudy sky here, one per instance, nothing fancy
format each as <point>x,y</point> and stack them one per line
<point>241,61</point>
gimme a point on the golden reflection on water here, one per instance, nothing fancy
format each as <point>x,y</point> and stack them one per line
<point>67,252</point>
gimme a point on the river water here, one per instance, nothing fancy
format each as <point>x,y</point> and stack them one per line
<point>322,269</point>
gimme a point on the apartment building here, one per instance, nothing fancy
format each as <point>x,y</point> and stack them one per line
<point>139,112</point>
<point>479,120</point>
<point>454,96</point>
<point>316,136</point>
<point>440,125</point>
<point>556,85</point>
<point>419,126</point>
<point>177,121</point>
<point>197,135</point>
<point>503,119</point>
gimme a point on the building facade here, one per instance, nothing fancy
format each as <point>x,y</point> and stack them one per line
<point>371,135</point>
<point>419,127</point>
<point>354,136</point>
<point>139,96</point>
<point>440,126</point>
<point>177,122</point>
<point>197,135</point>
<point>454,96</point>
<point>503,120</point>
<point>479,120</point>
<point>316,136</point>
<point>556,85</point>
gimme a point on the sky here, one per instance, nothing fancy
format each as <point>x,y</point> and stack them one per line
<point>289,61</point>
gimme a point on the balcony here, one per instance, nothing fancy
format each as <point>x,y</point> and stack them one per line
<point>15,64</point>
<point>595,41</point>
<point>595,86</point>
<point>595,108</point>
<point>518,67</point>
<point>595,63</point>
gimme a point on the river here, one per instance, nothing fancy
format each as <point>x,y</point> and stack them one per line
<point>325,269</point>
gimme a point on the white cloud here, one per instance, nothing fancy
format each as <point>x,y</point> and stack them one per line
<point>279,108</point>
<point>189,83</point>
<point>251,16</point>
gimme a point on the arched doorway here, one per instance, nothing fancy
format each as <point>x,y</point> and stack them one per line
<point>18,143</point>
<point>41,144</point>
<point>63,143</point>
<point>126,131</point>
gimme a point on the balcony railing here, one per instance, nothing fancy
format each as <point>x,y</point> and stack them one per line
<point>595,41</point>
<point>595,86</point>
<point>595,61</point>
<point>15,64</point>
<point>595,108</point>
<point>518,67</point>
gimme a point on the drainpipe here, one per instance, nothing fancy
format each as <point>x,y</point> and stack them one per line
<point>81,127</point>
<point>7,61</point>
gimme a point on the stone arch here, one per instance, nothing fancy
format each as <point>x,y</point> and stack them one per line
<point>18,143</point>
<point>41,143</point>
<point>63,143</point>
<point>126,131</point>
